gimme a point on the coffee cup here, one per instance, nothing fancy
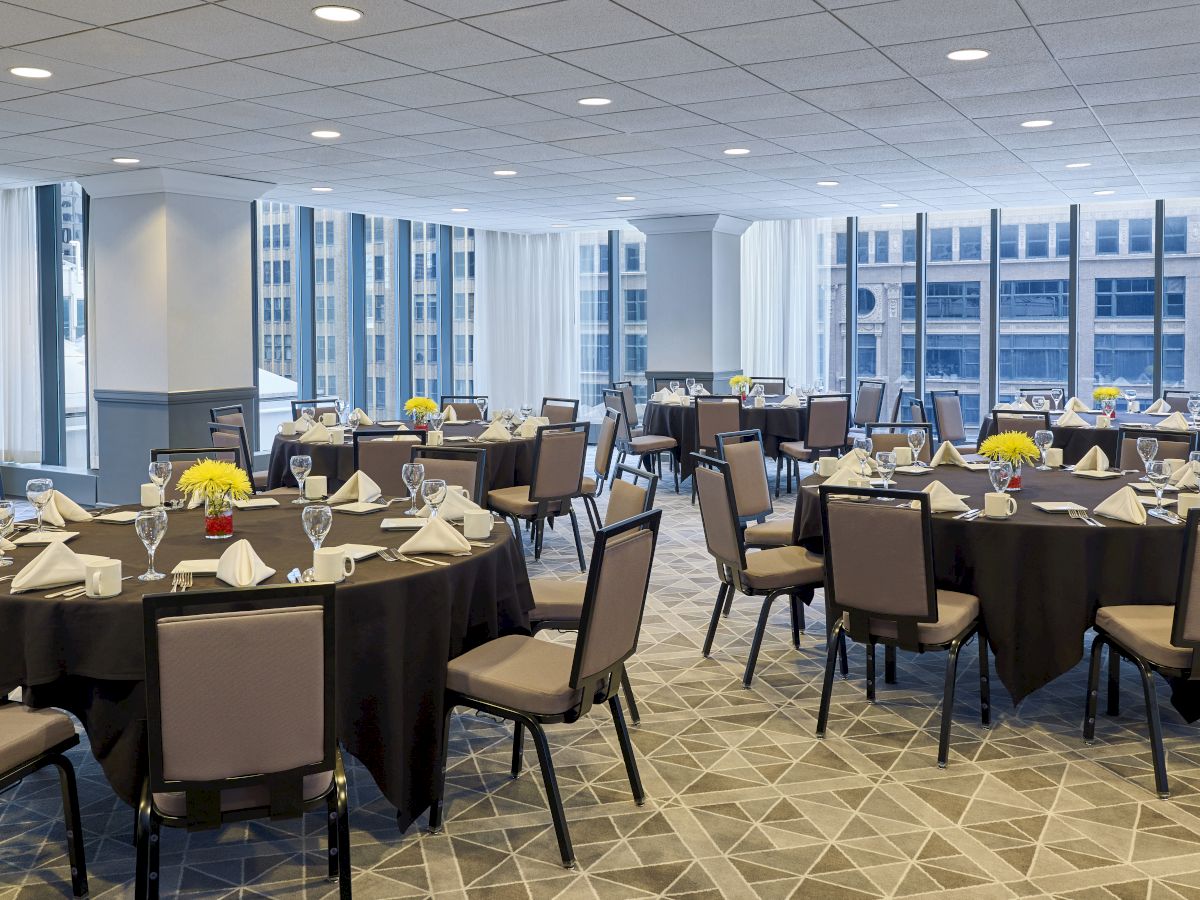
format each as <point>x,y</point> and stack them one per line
<point>998,505</point>
<point>329,419</point>
<point>149,496</point>
<point>287,429</point>
<point>433,439</point>
<point>102,578</point>
<point>332,564</point>
<point>316,487</point>
<point>904,456</point>
<point>1133,406</point>
<point>1103,421</point>
<point>477,524</point>
<point>1054,457</point>
<point>1185,502</point>
<point>760,402</point>
<point>826,466</point>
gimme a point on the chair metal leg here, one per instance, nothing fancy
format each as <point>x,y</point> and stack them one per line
<point>70,800</point>
<point>836,640</point>
<point>142,887</point>
<point>778,473</point>
<point>1114,682</point>
<point>1157,751</point>
<point>797,617</point>
<point>439,788</point>
<point>676,465</point>
<point>716,617</point>
<point>829,632</point>
<point>889,664</point>
<point>1093,689</point>
<point>728,603</point>
<point>948,702</point>
<point>518,752</point>
<point>553,797</point>
<point>985,677</point>
<point>578,540</point>
<point>870,671</point>
<point>345,874</point>
<point>631,769</point>
<point>634,716</point>
<point>759,630</point>
<point>539,534</point>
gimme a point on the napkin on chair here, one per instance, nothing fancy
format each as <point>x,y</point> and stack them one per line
<point>449,415</point>
<point>62,509</point>
<point>239,566</point>
<point>529,427</point>
<point>1076,405</point>
<point>318,434</point>
<point>1095,460</point>
<point>1184,477</point>
<point>853,462</point>
<point>495,432</point>
<point>791,401</point>
<point>947,455</point>
<point>57,565</point>
<point>454,506</point>
<point>942,499</point>
<point>1070,419</point>
<point>363,418</point>
<point>1174,422</point>
<point>1158,406</point>
<point>436,536</point>
<point>1123,505</point>
<point>359,487</point>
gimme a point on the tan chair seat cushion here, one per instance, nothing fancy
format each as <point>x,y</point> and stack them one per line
<point>795,450</point>
<point>965,448</point>
<point>775,533</point>
<point>518,672</point>
<point>955,612</point>
<point>1146,631</point>
<point>512,500</point>
<point>636,432</point>
<point>557,600</point>
<point>589,486</point>
<point>782,567</point>
<point>174,803</point>
<point>28,733</point>
<point>653,443</point>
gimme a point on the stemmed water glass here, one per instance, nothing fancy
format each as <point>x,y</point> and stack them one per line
<point>8,512</point>
<point>887,467</point>
<point>1043,439</point>
<point>1038,401</point>
<point>807,388</point>
<point>413,475</point>
<point>506,415</point>
<point>791,386</point>
<point>340,406</point>
<point>481,402</point>
<point>317,519</point>
<point>354,421</point>
<point>151,527</point>
<point>434,492</point>
<point>1147,449</point>
<point>690,384</point>
<point>437,419</point>
<point>527,411</point>
<point>916,440</point>
<point>1158,473</point>
<point>862,449</point>
<point>1020,398</point>
<point>1056,394</point>
<point>1193,405</point>
<point>674,387</point>
<point>1130,397</point>
<point>820,386</point>
<point>161,471</point>
<point>301,466</point>
<point>1000,472</point>
<point>310,417</point>
<point>38,491</point>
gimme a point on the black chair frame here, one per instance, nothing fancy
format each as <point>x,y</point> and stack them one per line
<point>782,458</point>
<point>447,399</point>
<point>477,455</point>
<point>561,401</point>
<point>624,447</point>
<point>247,458</point>
<point>742,437</point>
<point>299,405</point>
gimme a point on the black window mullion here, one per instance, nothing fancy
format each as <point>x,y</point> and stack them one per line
<point>615,344</point>
<point>851,366</point>
<point>50,313</point>
<point>922,289</point>
<point>1073,304</point>
<point>445,276</point>
<point>1160,217</point>
<point>357,277</point>
<point>306,357</point>
<point>403,300</point>
<point>993,356</point>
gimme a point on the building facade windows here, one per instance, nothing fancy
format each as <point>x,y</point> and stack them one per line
<point>1108,236</point>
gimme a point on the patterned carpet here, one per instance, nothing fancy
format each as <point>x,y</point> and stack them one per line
<point>743,800</point>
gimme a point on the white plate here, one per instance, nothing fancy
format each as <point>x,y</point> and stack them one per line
<point>360,508</point>
<point>1149,488</point>
<point>1150,501</point>
<point>913,470</point>
<point>978,466</point>
<point>197,567</point>
<point>408,523</point>
<point>358,552</point>
<point>1057,506</point>
<point>256,503</point>
<point>120,517</point>
<point>42,538</point>
<point>1099,475</point>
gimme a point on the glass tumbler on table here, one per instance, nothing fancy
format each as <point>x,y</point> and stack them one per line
<point>301,466</point>
<point>413,475</point>
<point>1043,440</point>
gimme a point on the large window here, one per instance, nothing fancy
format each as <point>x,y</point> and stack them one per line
<point>632,312</point>
<point>379,244</point>
<point>464,310</point>
<point>331,292</point>
<point>278,316</point>
<point>74,317</point>
<point>595,326</point>
<point>1182,313</point>
<point>425,300</point>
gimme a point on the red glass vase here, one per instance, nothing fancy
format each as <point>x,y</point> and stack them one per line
<point>218,518</point>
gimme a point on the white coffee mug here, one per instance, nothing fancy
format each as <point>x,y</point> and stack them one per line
<point>316,487</point>
<point>826,466</point>
<point>149,496</point>
<point>102,578</point>
<point>1054,457</point>
<point>760,402</point>
<point>1186,501</point>
<point>329,419</point>
<point>433,439</point>
<point>1103,422</point>
<point>287,429</point>
<point>904,456</point>
<point>999,506</point>
<point>337,436</point>
<point>1134,406</point>
<point>477,524</point>
<point>332,564</point>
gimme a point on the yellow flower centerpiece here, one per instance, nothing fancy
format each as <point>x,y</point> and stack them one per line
<point>1107,398</point>
<point>741,384</point>
<point>1015,447</point>
<point>420,408</point>
<point>218,483</point>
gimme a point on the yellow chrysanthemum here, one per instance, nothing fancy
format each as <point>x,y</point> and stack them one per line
<point>213,478</point>
<point>739,381</point>
<point>1015,447</point>
<point>422,405</point>
<point>1106,393</point>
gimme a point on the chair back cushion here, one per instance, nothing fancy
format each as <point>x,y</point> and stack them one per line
<point>233,418</point>
<point>465,411</point>
<point>629,407</point>
<point>716,416</point>
<point>888,441</point>
<point>558,469</point>
<point>827,422</point>
<point>717,515</point>
<point>1166,450</point>
<point>179,466</point>
<point>869,403</point>
<point>1027,423</point>
<point>463,473</point>
<point>878,559</point>
<point>382,459</point>
<point>615,401</point>
<point>617,596</point>
<point>606,440</point>
<point>947,412</point>
<point>748,470</point>
<point>625,501</point>
<point>1185,631</point>
<point>560,412</point>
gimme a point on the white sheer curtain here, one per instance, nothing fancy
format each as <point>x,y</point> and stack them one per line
<point>526,317</point>
<point>20,356</point>
<point>784,317</point>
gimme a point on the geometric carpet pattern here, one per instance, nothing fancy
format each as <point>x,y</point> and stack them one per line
<point>742,799</point>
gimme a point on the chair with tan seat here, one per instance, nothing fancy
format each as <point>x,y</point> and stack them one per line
<point>916,411</point>
<point>868,404</point>
<point>887,436</point>
<point>464,467</point>
<point>716,414</point>
<point>533,683</point>
<point>1171,445</point>
<point>559,454</point>
<point>465,408</point>
<point>183,458</point>
<point>233,437</point>
<point>743,450</point>
<point>647,447</point>
<point>893,600</point>
<point>602,470</point>
<point>948,419</point>
<point>234,414</point>
<point>381,455</point>
<point>769,574</point>
<point>559,410</point>
<point>1156,639</point>
<point>31,740</point>
<point>319,405</point>
<point>240,717</point>
<point>770,384</point>
<point>1024,422</point>
<point>826,430</point>
<point>1177,401</point>
<point>628,406</point>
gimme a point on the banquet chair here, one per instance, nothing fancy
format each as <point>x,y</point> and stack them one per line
<point>183,458</point>
<point>899,407</point>
<point>559,455</point>
<point>743,450</point>
<point>770,384</point>
<point>464,467</point>
<point>1171,445</point>
<point>868,405</point>
<point>1160,638</point>
<point>646,447</point>
<point>1024,422</point>
<point>894,601</point>
<point>1045,393</point>
<point>381,456</point>
<point>948,419</point>
<point>664,381</point>
<point>629,406</point>
<point>233,414</point>
<point>320,406</point>
<point>887,436</point>
<point>1177,400</point>
<point>465,408</point>
<point>769,574</point>
<point>714,415</point>
<point>227,437</point>
<point>31,740</point>
<point>559,410</point>
<point>240,717</point>
<point>533,683</point>
<point>916,410</point>
<point>602,470</point>
<point>826,430</point>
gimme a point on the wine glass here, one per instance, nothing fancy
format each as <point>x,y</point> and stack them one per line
<point>151,527</point>
<point>301,466</point>
<point>820,386</point>
<point>317,519</point>
<point>1130,397</point>
<point>437,419</point>
<point>1043,439</point>
<point>1147,449</point>
<point>354,421</point>
<point>527,411</point>
<point>8,512</point>
<point>916,440</point>
<point>1020,398</point>
<point>1000,472</point>
<point>887,467</point>
<point>1158,473</point>
<point>1193,405</point>
<point>690,383</point>
<point>807,388</point>
<point>481,402</point>
<point>413,475</point>
<point>39,491</point>
<point>1056,394</point>
<point>1038,401</point>
<point>862,449</point>
<point>339,406</point>
<point>674,387</point>
<point>161,471</point>
<point>434,492</point>
<point>309,415</point>
<point>506,415</point>
<point>791,386</point>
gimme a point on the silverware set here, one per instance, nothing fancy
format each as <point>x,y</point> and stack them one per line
<point>72,592</point>
<point>180,582</point>
<point>970,515</point>
<point>1083,516</point>
<point>389,555</point>
<point>1166,515</point>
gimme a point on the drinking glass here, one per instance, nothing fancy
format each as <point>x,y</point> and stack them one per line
<point>820,386</point>
<point>309,414</point>
<point>507,415</point>
<point>674,387</point>
<point>807,388</point>
<point>151,527</point>
<point>791,387</point>
<point>8,512</point>
<point>690,383</point>
<point>38,491</point>
<point>434,492</point>
<point>301,466</point>
<point>354,421</point>
<point>1130,396</point>
<point>1147,448</point>
<point>481,402</point>
<point>160,473</point>
<point>1020,397</point>
<point>1056,394</point>
<point>437,419</point>
<point>1038,401</point>
<point>916,440</point>
<point>1193,406</point>
<point>526,412</point>
<point>413,475</point>
<point>862,449</point>
<point>340,406</point>
<point>1043,439</point>
<point>317,519</point>
<point>1193,461</point>
<point>1000,472</point>
<point>1158,473</point>
<point>887,467</point>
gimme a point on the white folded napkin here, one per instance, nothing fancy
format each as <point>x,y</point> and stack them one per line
<point>702,391</point>
<point>1159,406</point>
<point>318,434</point>
<point>358,487</point>
<point>854,462</point>
<point>1095,460</point>
<point>1021,405</point>
<point>1184,477</point>
<point>671,399</point>
<point>436,536</point>
<point>845,478</point>
<point>1071,419</point>
<point>1123,505</point>
<point>454,506</point>
<point>57,565</point>
<point>407,438</point>
<point>791,401</point>
<point>1076,405</point>
<point>1001,406</point>
<point>301,425</point>
<point>942,499</point>
<point>363,418</point>
<point>240,566</point>
<point>947,455</point>
<point>529,427</point>
<point>449,415</point>
<point>495,432</point>
<point>6,546</point>
<point>1174,422</point>
<point>62,509</point>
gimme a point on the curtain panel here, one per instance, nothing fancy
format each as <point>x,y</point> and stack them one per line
<point>20,345</point>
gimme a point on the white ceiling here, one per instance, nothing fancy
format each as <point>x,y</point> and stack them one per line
<point>431,96</point>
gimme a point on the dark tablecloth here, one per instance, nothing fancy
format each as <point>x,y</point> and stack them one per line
<point>508,463</point>
<point>1075,442</point>
<point>1039,577</point>
<point>776,424</point>
<point>397,625</point>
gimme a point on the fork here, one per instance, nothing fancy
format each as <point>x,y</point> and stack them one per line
<point>185,581</point>
<point>390,555</point>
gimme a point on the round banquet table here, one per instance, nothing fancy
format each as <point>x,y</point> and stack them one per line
<point>1075,442</point>
<point>508,462</point>
<point>1039,576</point>
<point>777,424</point>
<point>397,625</point>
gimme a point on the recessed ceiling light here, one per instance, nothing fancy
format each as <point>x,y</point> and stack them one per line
<point>326,133</point>
<point>1103,193</point>
<point>321,190</point>
<point>504,173</point>
<point>967,55</point>
<point>737,151</point>
<point>1037,123</point>
<point>626,197</point>
<point>827,184</point>
<point>594,101</point>
<point>888,205</point>
<point>560,225</point>
<point>30,72</point>
<point>126,160</point>
<point>1078,165</point>
<point>337,13</point>
<point>459,209</point>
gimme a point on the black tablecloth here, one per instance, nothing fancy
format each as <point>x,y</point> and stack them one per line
<point>1075,442</point>
<point>508,463</point>
<point>776,424</point>
<point>1039,576</point>
<point>397,625</point>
